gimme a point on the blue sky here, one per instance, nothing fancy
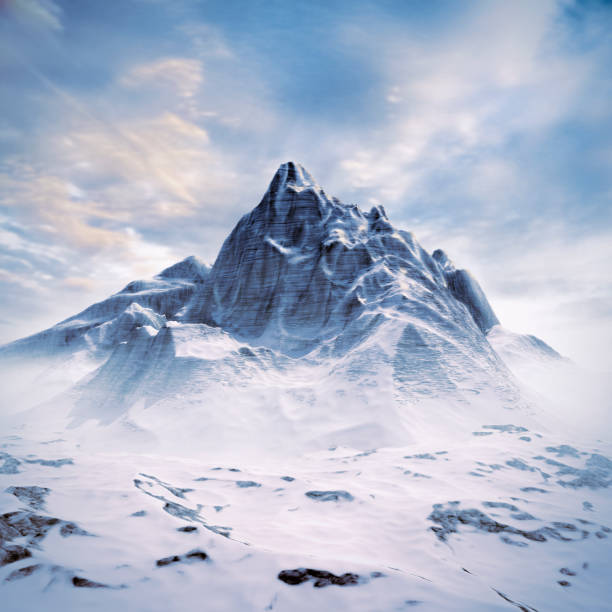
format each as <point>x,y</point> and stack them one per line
<point>136,132</point>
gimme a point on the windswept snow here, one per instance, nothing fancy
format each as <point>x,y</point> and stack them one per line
<point>328,417</point>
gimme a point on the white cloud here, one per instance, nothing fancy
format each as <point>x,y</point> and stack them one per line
<point>183,76</point>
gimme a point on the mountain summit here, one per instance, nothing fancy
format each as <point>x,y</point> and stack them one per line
<point>301,411</point>
<point>303,268</point>
<point>302,277</point>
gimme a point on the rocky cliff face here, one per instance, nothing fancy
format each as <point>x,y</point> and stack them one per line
<point>303,280</point>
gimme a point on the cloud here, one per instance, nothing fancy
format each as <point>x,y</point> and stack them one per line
<point>35,14</point>
<point>484,127</point>
<point>182,76</point>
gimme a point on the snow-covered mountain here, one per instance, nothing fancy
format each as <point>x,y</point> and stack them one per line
<point>358,382</point>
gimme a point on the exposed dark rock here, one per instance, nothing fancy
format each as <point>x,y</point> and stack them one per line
<point>68,529</point>
<point>10,465</point>
<point>449,520</point>
<point>188,529</point>
<point>191,556</point>
<point>176,491</point>
<point>329,495</point>
<point>563,450</point>
<point>421,456</point>
<point>489,504</point>
<point>506,428</point>
<point>288,478</point>
<point>12,554</point>
<point>567,572</point>
<point>57,463</point>
<point>23,572</point>
<point>564,583</point>
<point>245,484</point>
<point>522,607</point>
<point>33,528</point>
<point>196,555</point>
<point>167,560</point>
<point>321,578</point>
<point>519,464</point>
<point>33,496</point>
<point>596,474</point>
<point>77,581</point>
<point>180,511</point>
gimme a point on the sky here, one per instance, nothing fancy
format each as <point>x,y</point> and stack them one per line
<point>134,133</point>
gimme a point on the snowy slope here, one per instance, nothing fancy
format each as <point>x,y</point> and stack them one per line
<point>327,417</point>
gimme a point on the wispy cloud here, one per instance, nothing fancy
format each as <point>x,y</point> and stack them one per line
<point>485,127</point>
<point>37,14</point>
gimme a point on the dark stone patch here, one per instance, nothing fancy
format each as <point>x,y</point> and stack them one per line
<point>521,606</point>
<point>519,464</point>
<point>288,478</point>
<point>12,554</point>
<point>182,512</point>
<point>449,519</point>
<point>329,495</point>
<point>68,529</point>
<point>321,578</point>
<point>428,456</point>
<point>176,491</point>
<point>187,529</point>
<point>85,583</point>
<point>32,496</point>
<point>489,504</point>
<point>33,528</point>
<point>56,463</point>
<point>167,561</point>
<point>506,428</point>
<point>190,557</point>
<point>10,464</point>
<point>197,555</point>
<point>23,572</point>
<point>567,572</point>
<point>523,516</point>
<point>596,473</point>
<point>564,583</point>
<point>563,450</point>
<point>245,484</point>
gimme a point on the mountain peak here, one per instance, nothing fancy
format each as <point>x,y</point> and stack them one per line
<point>295,175</point>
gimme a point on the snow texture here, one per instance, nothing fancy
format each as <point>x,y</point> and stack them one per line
<point>328,417</point>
